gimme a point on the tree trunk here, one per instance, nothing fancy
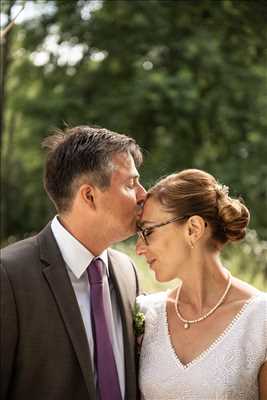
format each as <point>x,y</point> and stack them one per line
<point>5,59</point>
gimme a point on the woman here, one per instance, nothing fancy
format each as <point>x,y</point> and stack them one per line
<point>207,338</point>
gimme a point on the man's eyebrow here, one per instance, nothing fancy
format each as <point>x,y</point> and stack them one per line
<point>133,176</point>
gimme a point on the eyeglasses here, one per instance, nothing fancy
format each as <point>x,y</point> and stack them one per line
<point>143,233</point>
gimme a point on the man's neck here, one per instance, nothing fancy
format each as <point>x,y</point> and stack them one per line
<point>90,238</point>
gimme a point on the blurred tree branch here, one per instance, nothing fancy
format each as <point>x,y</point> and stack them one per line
<point>9,25</point>
<point>5,43</point>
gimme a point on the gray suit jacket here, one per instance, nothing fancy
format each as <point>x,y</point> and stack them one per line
<point>44,350</point>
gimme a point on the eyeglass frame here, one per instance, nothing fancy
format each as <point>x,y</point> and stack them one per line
<point>142,232</point>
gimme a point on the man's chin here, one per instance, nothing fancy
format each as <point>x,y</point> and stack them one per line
<point>130,234</point>
<point>124,236</point>
<point>131,231</point>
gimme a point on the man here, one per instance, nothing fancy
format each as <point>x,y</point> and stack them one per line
<point>66,302</point>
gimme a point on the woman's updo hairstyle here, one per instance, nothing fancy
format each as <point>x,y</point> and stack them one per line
<point>195,192</point>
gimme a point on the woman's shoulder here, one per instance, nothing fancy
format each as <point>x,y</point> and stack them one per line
<point>260,298</point>
<point>249,298</point>
<point>243,291</point>
<point>255,309</point>
<point>151,301</point>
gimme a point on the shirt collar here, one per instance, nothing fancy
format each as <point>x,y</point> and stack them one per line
<point>76,256</point>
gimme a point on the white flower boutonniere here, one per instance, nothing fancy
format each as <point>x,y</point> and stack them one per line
<point>138,320</point>
<point>138,326</point>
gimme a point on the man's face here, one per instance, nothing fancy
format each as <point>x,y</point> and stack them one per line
<point>120,205</point>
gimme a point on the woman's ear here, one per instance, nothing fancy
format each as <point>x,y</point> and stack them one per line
<point>195,229</point>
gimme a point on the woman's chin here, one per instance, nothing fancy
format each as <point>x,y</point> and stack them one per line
<point>160,278</point>
<point>163,278</point>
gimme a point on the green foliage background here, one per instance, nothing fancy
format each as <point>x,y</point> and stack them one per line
<point>187,79</point>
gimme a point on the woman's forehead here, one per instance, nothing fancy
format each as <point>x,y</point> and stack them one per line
<point>152,211</point>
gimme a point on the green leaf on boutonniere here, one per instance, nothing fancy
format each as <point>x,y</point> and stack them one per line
<point>138,321</point>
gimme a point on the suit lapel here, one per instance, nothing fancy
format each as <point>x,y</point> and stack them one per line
<point>125,291</point>
<point>57,277</point>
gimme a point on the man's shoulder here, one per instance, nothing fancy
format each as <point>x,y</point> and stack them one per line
<point>122,263</point>
<point>124,270</point>
<point>17,258</point>
<point>19,248</point>
<point>119,256</point>
<point>23,250</point>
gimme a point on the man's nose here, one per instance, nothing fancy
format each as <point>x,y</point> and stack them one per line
<point>140,247</point>
<point>141,193</point>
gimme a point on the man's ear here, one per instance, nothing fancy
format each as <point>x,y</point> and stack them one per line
<point>87,195</point>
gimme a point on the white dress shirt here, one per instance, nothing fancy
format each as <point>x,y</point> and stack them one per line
<point>77,259</point>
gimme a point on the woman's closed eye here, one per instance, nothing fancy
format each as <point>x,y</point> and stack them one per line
<point>148,231</point>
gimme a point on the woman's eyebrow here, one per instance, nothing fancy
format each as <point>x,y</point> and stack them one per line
<point>144,222</point>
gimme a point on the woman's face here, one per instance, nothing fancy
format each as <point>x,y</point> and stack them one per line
<point>166,249</point>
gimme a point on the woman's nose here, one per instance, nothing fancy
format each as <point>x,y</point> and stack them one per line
<point>140,247</point>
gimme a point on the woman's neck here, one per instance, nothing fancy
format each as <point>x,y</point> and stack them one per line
<point>203,283</point>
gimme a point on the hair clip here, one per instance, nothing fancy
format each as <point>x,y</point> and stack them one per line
<point>222,189</point>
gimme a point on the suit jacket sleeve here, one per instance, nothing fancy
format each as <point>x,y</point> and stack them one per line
<point>8,332</point>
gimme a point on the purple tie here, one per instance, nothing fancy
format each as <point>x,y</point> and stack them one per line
<point>107,375</point>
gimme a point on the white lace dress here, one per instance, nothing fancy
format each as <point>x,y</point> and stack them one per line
<point>227,370</point>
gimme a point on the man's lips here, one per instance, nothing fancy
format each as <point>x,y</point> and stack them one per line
<point>139,213</point>
<point>140,209</point>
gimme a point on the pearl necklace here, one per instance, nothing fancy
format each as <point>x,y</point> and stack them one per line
<point>188,322</point>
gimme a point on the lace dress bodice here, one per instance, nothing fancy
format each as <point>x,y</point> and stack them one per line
<point>227,370</point>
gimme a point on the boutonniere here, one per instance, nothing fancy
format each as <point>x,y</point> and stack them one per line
<point>138,326</point>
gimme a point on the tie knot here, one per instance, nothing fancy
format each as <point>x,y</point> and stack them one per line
<point>95,272</point>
